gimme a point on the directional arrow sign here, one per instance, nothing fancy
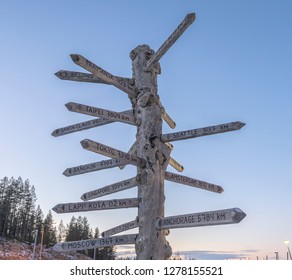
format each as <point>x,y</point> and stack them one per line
<point>209,130</point>
<point>120,228</point>
<point>96,205</point>
<point>94,166</point>
<point>116,187</point>
<point>112,152</point>
<point>120,83</point>
<point>192,182</point>
<point>95,243</point>
<point>98,112</point>
<point>84,125</point>
<point>211,218</point>
<point>78,77</point>
<point>189,19</point>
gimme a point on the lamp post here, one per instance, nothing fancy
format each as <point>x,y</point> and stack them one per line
<point>289,252</point>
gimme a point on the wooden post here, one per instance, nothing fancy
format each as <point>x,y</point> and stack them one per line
<point>151,243</point>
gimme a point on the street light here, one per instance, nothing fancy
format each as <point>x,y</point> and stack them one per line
<point>289,252</point>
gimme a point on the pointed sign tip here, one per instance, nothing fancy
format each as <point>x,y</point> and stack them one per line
<point>84,143</point>
<point>240,125</point>
<point>191,17</point>
<point>69,106</point>
<point>74,57</point>
<point>239,215</point>
<point>83,197</point>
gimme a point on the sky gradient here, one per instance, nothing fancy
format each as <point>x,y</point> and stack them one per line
<point>232,64</point>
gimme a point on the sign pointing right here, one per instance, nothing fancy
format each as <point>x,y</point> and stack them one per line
<point>209,130</point>
<point>211,218</point>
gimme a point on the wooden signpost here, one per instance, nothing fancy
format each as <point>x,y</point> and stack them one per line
<point>96,205</point>
<point>121,228</point>
<point>113,188</point>
<point>210,218</point>
<point>150,154</point>
<point>95,243</point>
<point>94,166</point>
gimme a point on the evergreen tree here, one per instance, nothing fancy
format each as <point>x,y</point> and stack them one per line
<point>50,233</point>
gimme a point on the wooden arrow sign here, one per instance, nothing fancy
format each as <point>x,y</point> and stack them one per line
<point>192,182</point>
<point>84,125</point>
<point>112,152</point>
<point>120,83</point>
<point>98,112</point>
<point>95,243</point>
<point>209,130</point>
<point>120,228</point>
<point>116,187</point>
<point>211,218</point>
<point>78,77</point>
<point>188,20</point>
<point>94,166</point>
<point>96,205</point>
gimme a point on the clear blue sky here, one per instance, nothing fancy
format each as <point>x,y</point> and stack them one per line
<point>233,64</point>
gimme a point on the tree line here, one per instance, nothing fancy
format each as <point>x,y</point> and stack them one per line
<point>23,220</point>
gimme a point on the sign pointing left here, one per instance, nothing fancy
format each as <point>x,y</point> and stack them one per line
<point>98,112</point>
<point>104,75</point>
<point>96,205</point>
<point>95,243</point>
<point>112,152</point>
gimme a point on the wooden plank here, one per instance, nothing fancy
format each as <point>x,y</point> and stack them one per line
<point>210,218</point>
<point>112,152</point>
<point>188,20</point>
<point>84,125</point>
<point>95,243</point>
<point>96,205</point>
<point>176,178</point>
<point>176,165</point>
<point>78,77</point>
<point>120,83</point>
<point>113,188</point>
<point>94,166</point>
<point>204,131</point>
<point>121,228</point>
<point>98,112</point>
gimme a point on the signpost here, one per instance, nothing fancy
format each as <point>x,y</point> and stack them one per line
<point>84,125</point>
<point>98,112</point>
<point>150,154</point>
<point>78,77</point>
<point>94,166</point>
<point>121,228</point>
<point>113,188</point>
<point>120,83</point>
<point>96,205</point>
<point>204,131</point>
<point>192,182</point>
<point>112,152</point>
<point>95,243</point>
<point>210,218</point>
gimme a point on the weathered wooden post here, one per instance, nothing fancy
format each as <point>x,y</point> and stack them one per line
<point>150,153</point>
<point>151,243</point>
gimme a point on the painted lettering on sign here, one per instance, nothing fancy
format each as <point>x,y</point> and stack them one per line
<point>78,77</point>
<point>94,166</point>
<point>119,186</point>
<point>95,243</point>
<point>219,217</point>
<point>120,228</point>
<point>111,152</point>
<point>192,182</point>
<point>96,205</point>
<point>221,128</point>
<point>98,112</point>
